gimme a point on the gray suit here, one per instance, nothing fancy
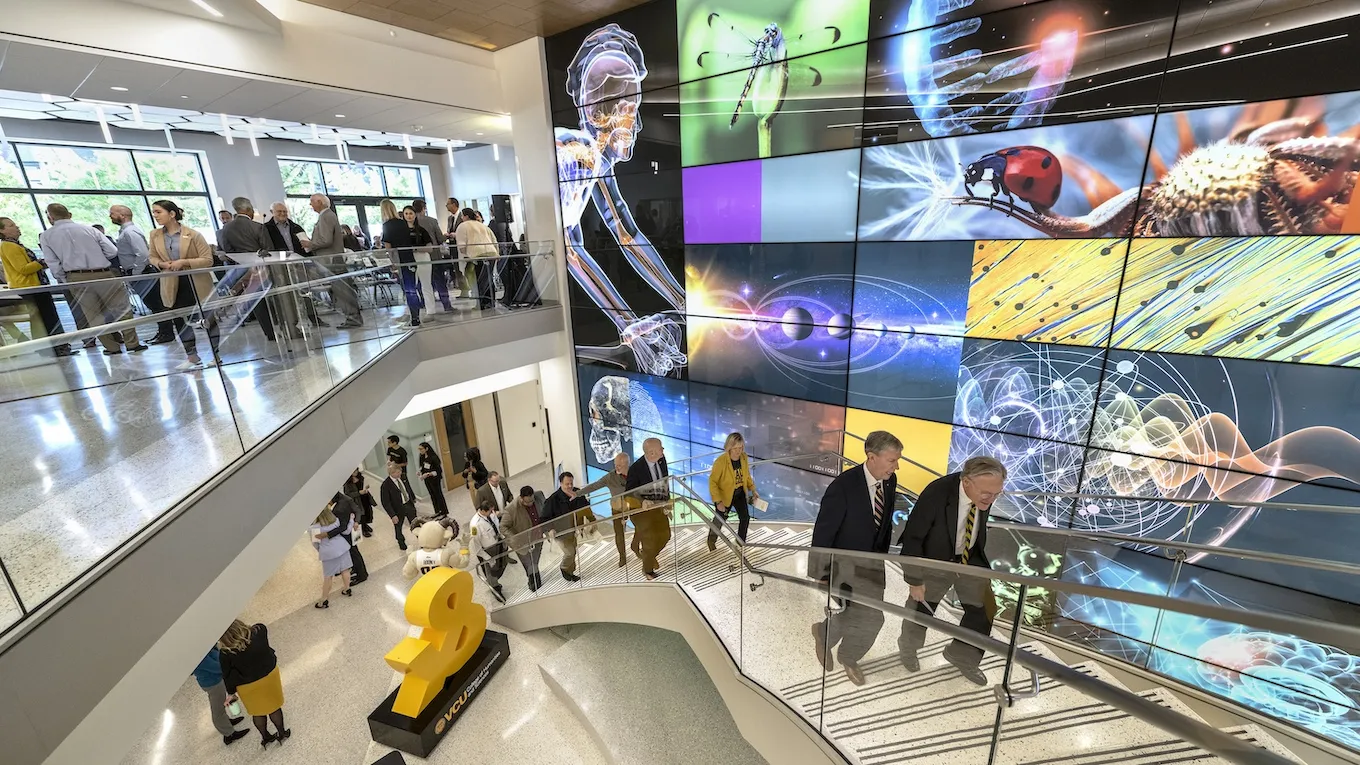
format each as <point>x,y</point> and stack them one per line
<point>242,234</point>
<point>328,239</point>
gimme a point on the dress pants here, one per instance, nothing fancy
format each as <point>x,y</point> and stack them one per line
<point>567,541</point>
<point>104,303</point>
<point>528,558</point>
<point>408,515</point>
<point>856,627</point>
<point>653,529</point>
<point>973,593</point>
<point>342,290</point>
<point>150,290</point>
<point>620,533</point>
<point>217,704</point>
<point>436,489</point>
<point>185,298</point>
<point>743,520</point>
<point>358,569</point>
<point>486,285</point>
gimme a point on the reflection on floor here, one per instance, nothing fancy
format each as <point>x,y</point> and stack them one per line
<point>98,446</point>
<point>333,675</point>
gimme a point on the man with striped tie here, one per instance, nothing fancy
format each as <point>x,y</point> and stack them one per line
<point>856,514</point>
<point>949,523</point>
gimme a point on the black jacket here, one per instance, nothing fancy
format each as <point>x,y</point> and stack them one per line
<point>432,464</point>
<point>641,475</point>
<point>294,244</point>
<point>241,234</point>
<point>345,510</point>
<point>933,524</point>
<point>845,520</point>
<point>391,498</point>
<point>253,663</point>
<point>559,507</point>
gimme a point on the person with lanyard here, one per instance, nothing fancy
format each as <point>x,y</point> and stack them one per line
<point>176,247</point>
<point>489,545</point>
<point>23,269</point>
<point>432,472</point>
<point>732,487</point>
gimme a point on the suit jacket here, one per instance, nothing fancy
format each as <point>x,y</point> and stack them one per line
<point>431,227</point>
<point>486,491</point>
<point>845,520</point>
<point>241,234</point>
<point>933,525</point>
<point>516,523</point>
<point>276,243</point>
<point>567,512</point>
<point>327,238</point>
<point>345,511</point>
<point>391,498</point>
<point>641,475</point>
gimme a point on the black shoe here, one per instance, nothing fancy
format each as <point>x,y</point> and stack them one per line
<point>499,593</point>
<point>910,660</point>
<point>88,342</point>
<point>234,736</point>
<point>322,604</point>
<point>852,672</point>
<point>237,720</point>
<point>970,671</point>
<point>267,739</point>
<point>283,736</point>
<point>570,577</point>
<point>368,531</point>
<point>108,352</point>
<point>357,580</point>
<point>163,339</point>
<point>511,560</point>
<point>415,322</point>
<point>402,546</point>
<point>65,350</point>
<point>347,592</point>
<point>138,348</point>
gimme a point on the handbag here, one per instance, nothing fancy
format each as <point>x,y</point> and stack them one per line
<point>43,278</point>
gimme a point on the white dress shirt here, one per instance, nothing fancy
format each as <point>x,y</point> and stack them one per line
<point>71,246</point>
<point>486,533</point>
<point>498,498</point>
<point>133,252</point>
<point>963,520</point>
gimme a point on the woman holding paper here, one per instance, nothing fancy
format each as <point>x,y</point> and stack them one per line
<point>732,487</point>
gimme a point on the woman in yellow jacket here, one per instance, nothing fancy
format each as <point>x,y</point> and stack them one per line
<point>732,487</point>
<point>176,247</point>
<point>24,269</point>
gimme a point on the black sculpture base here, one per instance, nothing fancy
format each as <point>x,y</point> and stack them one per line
<point>420,735</point>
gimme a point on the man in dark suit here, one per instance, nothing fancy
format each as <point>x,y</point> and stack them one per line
<point>347,513</point>
<point>567,509</point>
<point>855,514</point>
<point>496,491</point>
<point>398,501</point>
<point>652,527</point>
<point>244,234</point>
<point>285,235</point>
<point>949,523</point>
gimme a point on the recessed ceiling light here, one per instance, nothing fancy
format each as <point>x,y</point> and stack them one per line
<point>183,96</point>
<point>339,116</point>
<point>479,134</point>
<point>118,88</point>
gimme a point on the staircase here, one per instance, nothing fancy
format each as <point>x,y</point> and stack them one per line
<point>931,716</point>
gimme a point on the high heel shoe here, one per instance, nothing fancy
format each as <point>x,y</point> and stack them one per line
<point>347,592</point>
<point>267,739</point>
<point>283,736</point>
<point>322,604</point>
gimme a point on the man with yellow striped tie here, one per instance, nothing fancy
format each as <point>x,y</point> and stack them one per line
<point>856,514</point>
<point>949,523</point>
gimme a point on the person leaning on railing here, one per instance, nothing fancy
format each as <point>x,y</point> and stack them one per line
<point>24,269</point>
<point>617,482</point>
<point>731,486</point>
<point>653,528</point>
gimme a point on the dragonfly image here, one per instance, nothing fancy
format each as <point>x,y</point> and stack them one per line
<point>770,74</point>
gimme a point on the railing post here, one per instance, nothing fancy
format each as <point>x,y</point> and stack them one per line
<point>1004,699</point>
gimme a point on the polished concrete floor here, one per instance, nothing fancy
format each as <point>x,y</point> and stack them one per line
<point>97,446</point>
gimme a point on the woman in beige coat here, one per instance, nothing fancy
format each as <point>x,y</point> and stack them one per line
<point>176,247</point>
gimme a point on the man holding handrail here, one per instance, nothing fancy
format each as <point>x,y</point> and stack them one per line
<point>616,481</point>
<point>949,523</point>
<point>652,526</point>
<point>856,514</point>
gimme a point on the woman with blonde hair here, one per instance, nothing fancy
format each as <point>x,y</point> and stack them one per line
<point>250,670</point>
<point>732,487</point>
<point>334,554</point>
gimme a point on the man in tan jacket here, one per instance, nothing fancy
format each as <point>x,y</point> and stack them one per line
<point>519,525</point>
<point>616,482</point>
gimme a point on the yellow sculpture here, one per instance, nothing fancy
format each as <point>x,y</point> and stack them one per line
<point>453,625</point>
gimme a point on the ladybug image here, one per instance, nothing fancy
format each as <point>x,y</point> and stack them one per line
<point>1028,172</point>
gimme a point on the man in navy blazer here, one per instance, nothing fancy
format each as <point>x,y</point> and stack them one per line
<point>856,514</point>
<point>949,523</point>
<point>652,527</point>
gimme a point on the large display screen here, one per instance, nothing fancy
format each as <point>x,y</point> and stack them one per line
<point>1109,243</point>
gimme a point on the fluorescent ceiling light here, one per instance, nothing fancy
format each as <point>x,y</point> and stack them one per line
<point>250,133</point>
<point>118,88</point>
<point>226,129</point>
<point>339,116</point>
<point>496,151</point>
<point>103,123</point>
<point>451,154</point>
<point>406,141</point>
<point>202,4</point>
<point>136,114</point>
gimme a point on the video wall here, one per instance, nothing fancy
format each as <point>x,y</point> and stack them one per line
<point>1109,243</point>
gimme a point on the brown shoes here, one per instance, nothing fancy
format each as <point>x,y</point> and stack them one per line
<point>819,646</point>
<point>853,673</point>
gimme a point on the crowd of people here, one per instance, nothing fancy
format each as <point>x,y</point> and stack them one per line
<point>82,259</point>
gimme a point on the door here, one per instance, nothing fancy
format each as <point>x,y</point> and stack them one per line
<point>456,436</point>
<point>522,428</point>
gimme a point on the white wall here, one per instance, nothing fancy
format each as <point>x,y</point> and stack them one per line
<point>235,170</point>
<point>477,173</point>
<point>488,432</point>
<point>523,431</point>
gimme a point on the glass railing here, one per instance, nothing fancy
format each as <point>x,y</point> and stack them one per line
<point>119,396</point>
<point>1270,655</point>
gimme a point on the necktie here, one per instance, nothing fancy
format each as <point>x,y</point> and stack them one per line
<point>401,485</point>
<point>968,532</point>
<point>878,506</point>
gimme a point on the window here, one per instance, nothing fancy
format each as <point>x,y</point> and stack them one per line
<point>89,180</point>
<point>355,189</point>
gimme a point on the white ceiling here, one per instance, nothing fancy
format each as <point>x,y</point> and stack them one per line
<point>189,99</point>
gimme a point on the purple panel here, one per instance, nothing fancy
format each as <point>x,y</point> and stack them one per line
<point>722,203</point>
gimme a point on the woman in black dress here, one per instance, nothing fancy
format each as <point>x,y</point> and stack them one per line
<point>474,472</point>
<point>432,470</point>
<point>403,234</point>
<point>360,496</point>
